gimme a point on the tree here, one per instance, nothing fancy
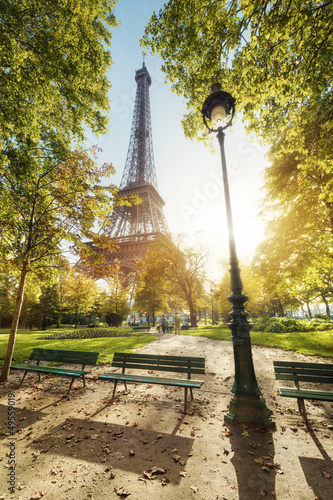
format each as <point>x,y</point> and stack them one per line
<point>78,294</point>
<point>48,309</point>
<point>182,267</point>
<point>151,293</point>
<point>298,203</point>
<point>273,56</point>
<point>8,281</point>
<point>44,208</point>
<point>54,64</point>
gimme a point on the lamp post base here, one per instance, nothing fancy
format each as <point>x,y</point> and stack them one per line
<point>249,408</point>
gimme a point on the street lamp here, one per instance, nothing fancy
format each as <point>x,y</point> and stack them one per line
<point>247,404</point>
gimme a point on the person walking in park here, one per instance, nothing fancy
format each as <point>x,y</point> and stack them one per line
<point>163,323</point>
<point>177,324</point>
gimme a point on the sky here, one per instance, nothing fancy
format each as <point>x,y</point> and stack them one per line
<point>189,175</point>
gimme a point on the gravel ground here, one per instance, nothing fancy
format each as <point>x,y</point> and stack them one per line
<point>142,445</point>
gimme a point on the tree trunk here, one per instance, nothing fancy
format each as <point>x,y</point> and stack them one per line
<point>309,310</point>
<point>76,316</point>
<point>326,305</point>
<point>193,318</point>
<point>14,326</point>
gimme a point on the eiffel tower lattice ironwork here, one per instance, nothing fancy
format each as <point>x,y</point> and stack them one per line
<point>135,228</point>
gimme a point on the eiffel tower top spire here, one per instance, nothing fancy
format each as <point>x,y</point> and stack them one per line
<point>139,166</point>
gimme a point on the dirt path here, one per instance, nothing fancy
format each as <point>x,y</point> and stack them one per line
<point>142,446</point>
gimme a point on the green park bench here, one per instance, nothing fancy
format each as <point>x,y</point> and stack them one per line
<point>156,362</point>
<point>82,358</point>
<point>317,373</point>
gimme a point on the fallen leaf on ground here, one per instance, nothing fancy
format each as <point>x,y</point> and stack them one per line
<point>194,488</point>
<point>38,495</point>
<point>158,470</point>
<point>121,492</point>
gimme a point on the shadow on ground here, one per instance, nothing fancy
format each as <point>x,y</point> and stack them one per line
<point>133,449</point>
<point>317,470</point>
<point>23,417</point>
<point>253,461</point>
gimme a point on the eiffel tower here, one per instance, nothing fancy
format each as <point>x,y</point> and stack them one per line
<point>134,228</point>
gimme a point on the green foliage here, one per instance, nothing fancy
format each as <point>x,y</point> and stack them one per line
<point>175,268</point>
<point>54,64</point>
<point>48,310</point>
<point>114,319</point>
<point>78,293</point>
<point>273,56</point>
<point>278,325</point>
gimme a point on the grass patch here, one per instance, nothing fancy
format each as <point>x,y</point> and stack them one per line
<point>210,332</point>
<point>309,343</point>
<point>106,346</point>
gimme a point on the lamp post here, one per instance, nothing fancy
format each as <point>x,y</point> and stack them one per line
<point>247,404</point>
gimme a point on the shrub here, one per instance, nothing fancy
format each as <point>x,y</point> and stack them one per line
<point>279,325</point>
<point>83,333</point>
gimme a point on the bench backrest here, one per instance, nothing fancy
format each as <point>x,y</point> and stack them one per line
<point>306,372</point>
<point>177,364</point>
<point>61,356</point>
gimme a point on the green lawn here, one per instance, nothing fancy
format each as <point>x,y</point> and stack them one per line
<point>310,343</point>
<point>106,346</point>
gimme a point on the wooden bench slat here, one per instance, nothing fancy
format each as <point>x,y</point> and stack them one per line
<point>305,378</point>
<point>49,369</point>
<point>123,355</point>
<point>300,364</point>
<point>152,380</point>
<point>306,394</point>
<point>163,368</point>
<point>58,355</point>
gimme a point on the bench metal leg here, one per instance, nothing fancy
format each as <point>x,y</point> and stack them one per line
<point>185,400</point>
<point>191,392</point>
<point>23,378</point>
<point>302,410</point>
<point>70,385</point>
<point>114,388</point>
